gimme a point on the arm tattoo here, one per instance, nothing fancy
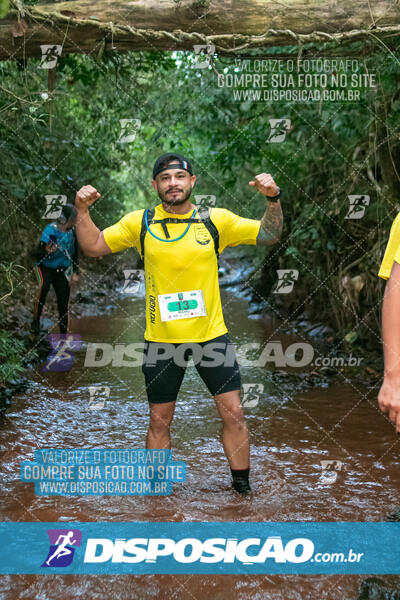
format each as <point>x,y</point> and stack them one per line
<point>271,225</point>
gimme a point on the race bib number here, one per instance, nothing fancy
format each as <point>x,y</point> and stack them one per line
<point>182,305</point>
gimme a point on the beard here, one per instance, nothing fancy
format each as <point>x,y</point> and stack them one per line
<point>164,197</point>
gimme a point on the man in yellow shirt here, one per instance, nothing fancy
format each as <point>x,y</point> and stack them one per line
<point>389,394</point>
<point>180,244</point>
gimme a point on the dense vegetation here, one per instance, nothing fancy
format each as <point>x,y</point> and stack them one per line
<point>54,141</point>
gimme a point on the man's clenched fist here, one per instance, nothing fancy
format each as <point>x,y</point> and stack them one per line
<point>85,197</point>
<point>389,399</point>
<point>265,184</point>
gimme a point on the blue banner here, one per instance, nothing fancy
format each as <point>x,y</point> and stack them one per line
<point>200,548</point>
<point>103,472</point>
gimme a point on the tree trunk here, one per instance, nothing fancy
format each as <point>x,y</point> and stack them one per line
<point>85,26</point>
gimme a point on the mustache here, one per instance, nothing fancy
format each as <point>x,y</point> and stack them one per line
<point>181,200</point>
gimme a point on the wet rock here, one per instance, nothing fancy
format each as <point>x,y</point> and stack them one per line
<point>330,371</point>
<point>374,588</point>
<point>232,282</point>
<point>84,298</point>
<point>223,271</point>
<point>297,382</point>
<point>279,373</point>
<point>46,324</point>
<point>14,386</point>
<point>319,331</point>
<point>18,385</point>
<point>257,308</point>
<point>394,516</point>
<point>92,302</point>
<point>304,324</point>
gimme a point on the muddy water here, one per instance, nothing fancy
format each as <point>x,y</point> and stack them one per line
<point>290,433</point>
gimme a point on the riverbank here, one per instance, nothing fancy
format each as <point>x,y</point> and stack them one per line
<point>94,295</point>
<point>293,433</point>
<point>336,355</point>
<point>99,292</point>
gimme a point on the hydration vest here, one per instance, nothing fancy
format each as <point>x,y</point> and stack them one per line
<point>204,217</point>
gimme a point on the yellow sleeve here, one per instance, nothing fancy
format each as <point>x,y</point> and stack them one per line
<point>125,233</point>
<point>392,251</point>
<point>233,229</point>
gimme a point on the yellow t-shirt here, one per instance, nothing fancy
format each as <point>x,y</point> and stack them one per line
<point>392,251</point>
<point>184,265</point>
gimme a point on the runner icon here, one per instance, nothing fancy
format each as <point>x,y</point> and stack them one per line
<point>62,352</point>
<point>62,549</point>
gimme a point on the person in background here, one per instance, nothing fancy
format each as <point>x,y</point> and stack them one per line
<point>57,264</point>
<point>389,394</point>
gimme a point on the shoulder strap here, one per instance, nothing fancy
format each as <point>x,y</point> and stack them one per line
<point>143,230</point>
<point>205,217</point>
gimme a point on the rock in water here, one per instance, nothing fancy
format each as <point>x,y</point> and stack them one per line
<point>374,588</point>
<point>394,516</point>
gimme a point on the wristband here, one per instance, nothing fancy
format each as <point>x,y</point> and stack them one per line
<point>274,198</point>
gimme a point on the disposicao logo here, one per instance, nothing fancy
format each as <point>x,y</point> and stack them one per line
<point>190,550</point>
<point>62,547</point>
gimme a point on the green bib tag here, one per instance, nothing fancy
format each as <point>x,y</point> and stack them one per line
<point>182,305</point>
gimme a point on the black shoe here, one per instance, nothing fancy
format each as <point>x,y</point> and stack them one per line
<point>242,486</point>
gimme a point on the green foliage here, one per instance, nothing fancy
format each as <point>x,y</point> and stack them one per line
<point>8,272</point>
<point>81,146</point>
<point>12,352</point>
<point>55,143</point>
<point>4,8</point>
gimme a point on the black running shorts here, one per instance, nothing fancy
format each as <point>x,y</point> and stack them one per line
<point>164,366</point>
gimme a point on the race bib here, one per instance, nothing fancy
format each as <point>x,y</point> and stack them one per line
<point>182,305</point>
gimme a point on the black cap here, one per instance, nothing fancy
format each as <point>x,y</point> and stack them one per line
<point>180,162</point>
<point>68,211</point>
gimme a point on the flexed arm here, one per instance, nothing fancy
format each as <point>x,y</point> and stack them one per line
<point>389,394</point>
<point>90,238</point>
<point>272,220</point>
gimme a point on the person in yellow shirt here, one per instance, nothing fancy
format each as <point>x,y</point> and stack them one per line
<point>180,244</point>
<point>389,394</point>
